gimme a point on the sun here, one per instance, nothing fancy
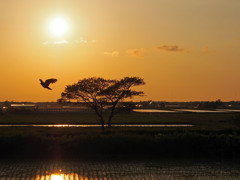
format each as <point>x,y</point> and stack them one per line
<point>58,26</point>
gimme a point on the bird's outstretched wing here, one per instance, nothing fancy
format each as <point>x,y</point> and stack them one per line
<point>49,81</point>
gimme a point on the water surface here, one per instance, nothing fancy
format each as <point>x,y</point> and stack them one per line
<point>96,125</point>
<point>154,111</point>
<point>127,170</point>
<point>184,110</point>
<point>202,111</point>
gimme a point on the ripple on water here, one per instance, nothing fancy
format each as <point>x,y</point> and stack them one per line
<point>63,170</point>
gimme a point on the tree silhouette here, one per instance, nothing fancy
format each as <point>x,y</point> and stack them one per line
<point>99,93</point>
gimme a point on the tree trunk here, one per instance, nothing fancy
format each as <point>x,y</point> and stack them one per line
<point>112,112</point>
<point>110,116</point>
<point>101,118</point>
<point>109,123</point>
<point>102,123</point>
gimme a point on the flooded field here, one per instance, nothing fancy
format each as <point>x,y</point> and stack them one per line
<point>153,111</point>
<point>104,170</point>
<point>186,110</point>
<point>95,125</point>
<point>203,111</point>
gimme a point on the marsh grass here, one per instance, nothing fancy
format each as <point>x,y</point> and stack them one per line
<point>82,142</point>
<point>214,135</point>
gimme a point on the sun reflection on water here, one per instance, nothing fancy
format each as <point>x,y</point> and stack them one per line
<point>57,176</point>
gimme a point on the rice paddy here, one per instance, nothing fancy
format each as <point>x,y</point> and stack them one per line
<point>124,170</point>
<point>87,151</point>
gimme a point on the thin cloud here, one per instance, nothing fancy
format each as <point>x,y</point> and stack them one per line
<point>207,50</point>
<point>56,42</point>
<point>59,42</point>
<point>45,42</point>
<point>171,48</point>
<point>81,40</point>
<point>63,41</point>
<point>139,53</point>
<point>113,54</point>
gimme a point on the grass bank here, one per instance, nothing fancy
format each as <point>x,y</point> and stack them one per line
<point>142,143</point>
<point>213,135</point>
<point>210,121</point>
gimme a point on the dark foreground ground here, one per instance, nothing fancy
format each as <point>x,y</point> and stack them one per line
<point>213,135</point>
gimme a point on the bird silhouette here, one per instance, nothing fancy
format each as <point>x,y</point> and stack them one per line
<point>47,83</point>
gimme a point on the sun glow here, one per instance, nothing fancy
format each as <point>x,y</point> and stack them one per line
<point>58,26</point>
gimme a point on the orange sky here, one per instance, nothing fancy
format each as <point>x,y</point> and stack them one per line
<point>185,50</point>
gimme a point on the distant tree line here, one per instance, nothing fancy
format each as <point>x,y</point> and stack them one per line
<point>212,104</point>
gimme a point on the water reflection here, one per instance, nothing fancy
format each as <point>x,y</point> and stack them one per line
<point>154,111</point>
<point>52,177</point>
<point>202,111</point>
<point>72,176</point>
<point>96,125</point>
<point>127,170</point>
<point>186,110</point>
<point>56,177</point>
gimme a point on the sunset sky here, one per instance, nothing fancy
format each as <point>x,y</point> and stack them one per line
<point>186,50</point>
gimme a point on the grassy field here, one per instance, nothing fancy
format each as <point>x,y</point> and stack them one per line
<point>212,135</point>
<point>211,121</point>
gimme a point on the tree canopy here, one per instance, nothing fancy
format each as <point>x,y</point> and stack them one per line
<point>98,93</point>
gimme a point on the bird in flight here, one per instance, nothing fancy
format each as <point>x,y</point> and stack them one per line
<point>47,83</point>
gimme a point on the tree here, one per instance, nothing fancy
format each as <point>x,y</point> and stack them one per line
<point>99,93</point>
<point>212,104</point>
